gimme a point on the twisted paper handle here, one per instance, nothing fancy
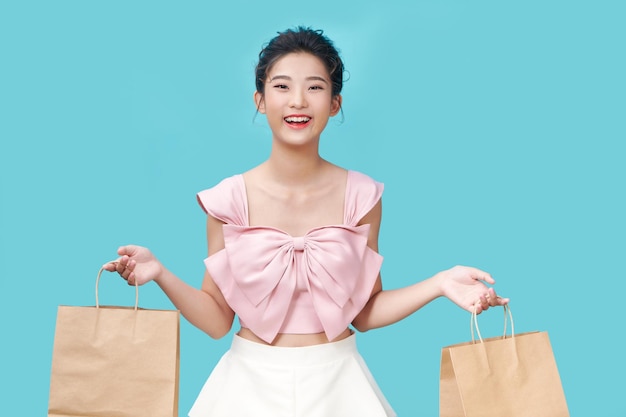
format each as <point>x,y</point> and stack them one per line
<point>98,281</point>
<point>474,323</point>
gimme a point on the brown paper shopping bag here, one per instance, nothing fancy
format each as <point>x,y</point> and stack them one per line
<point>510,376</point>
<point>114,362</point>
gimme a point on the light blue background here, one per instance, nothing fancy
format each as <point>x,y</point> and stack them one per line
<point>497,127</point>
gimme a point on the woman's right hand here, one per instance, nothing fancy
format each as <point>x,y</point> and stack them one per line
<point>137,265</point>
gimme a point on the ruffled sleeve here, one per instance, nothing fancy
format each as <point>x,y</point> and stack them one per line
<point>226,201</point>
<point>362,194</point>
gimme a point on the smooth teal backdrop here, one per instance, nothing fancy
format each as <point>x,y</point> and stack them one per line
<point>498,128</point>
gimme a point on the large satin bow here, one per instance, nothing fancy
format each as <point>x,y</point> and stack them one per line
<point>338,266</point>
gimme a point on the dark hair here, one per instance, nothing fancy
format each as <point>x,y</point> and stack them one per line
<point>300,39</point>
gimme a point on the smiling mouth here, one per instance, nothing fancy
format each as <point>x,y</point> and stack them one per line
<point>297,120</point>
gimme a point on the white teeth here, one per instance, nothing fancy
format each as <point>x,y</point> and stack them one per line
<point>302,119</point>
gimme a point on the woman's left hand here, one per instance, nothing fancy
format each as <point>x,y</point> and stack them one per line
<point>465,286</point>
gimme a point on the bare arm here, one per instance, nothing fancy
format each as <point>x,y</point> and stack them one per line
<point>205,308</point>
<point>465,286</point>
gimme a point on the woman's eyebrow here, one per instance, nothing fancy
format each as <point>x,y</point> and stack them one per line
<point>317,78</point>
<point>280,77</point>
<point>310,78</point>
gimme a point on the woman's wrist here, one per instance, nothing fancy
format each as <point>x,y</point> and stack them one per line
<point>438,281</point>
<point>161,275</point>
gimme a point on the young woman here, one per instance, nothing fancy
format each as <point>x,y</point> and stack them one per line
<point>293,252</point>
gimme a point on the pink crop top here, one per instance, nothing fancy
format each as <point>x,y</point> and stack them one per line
<point>277,283</point>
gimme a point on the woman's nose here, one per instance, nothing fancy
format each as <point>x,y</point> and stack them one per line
<point>298,99</point>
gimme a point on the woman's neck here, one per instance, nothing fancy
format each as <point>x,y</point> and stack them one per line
<point>295,168</point>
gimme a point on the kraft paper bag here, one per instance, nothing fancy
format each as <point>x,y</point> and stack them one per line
<point>510,376</point>
<point>115,362</point>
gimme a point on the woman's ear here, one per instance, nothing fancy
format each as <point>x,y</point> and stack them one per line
<point>259,102</point>
<point>335,104</point>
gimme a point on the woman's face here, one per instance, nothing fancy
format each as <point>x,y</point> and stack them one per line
<point>298,98</point>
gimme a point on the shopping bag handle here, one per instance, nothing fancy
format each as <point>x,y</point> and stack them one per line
<point>474,323</point>
<point>98,281</point>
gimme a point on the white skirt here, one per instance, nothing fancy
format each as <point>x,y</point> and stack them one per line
<point>326,380</point>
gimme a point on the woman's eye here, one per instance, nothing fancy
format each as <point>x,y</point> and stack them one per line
<point>280,86</point>
<point>316,87</point>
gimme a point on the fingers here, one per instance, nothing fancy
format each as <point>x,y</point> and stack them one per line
<point>129,250</point>
<point>502,301</point>
<point>110,266</point>
<point>124,266</point>
<point>489,299</point>
<point>483,276</point>
<point>482,303</point>
<point>475,274</point>
<point>495,300</point>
